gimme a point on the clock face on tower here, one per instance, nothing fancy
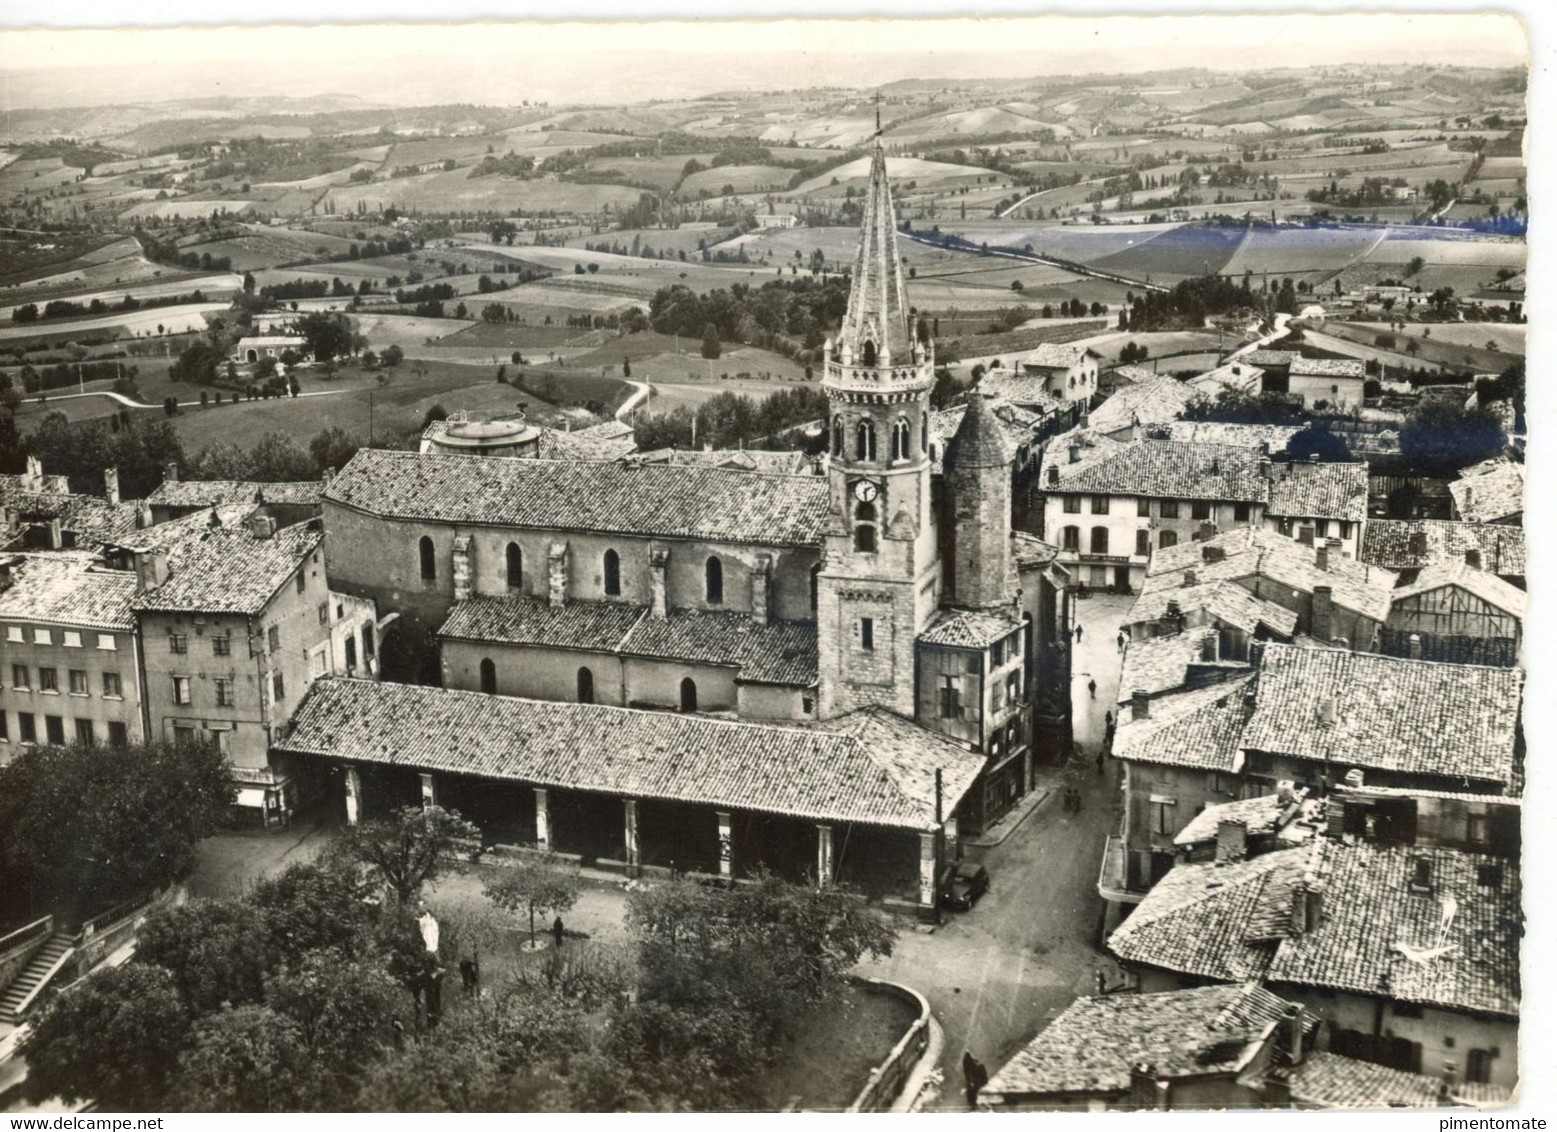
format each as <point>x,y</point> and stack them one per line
<point>865,491</point>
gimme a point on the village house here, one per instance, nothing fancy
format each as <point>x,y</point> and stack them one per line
<point>1145,405</point>
<point>252,349</point>
<point>1457,613</point>
<point>1271,440</point>
<point>287,503</point>
<point>1069,372</point>
<point>1238,376</point>
<point>42,513</point>
<point>1326,383</point>
<point>1275,365</point>
<point>1314,502</point>
<point>1490,493</point>
<point>70,670</point>
<point>1407,546</point>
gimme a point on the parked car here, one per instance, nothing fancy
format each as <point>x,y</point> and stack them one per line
<point>962,885</point>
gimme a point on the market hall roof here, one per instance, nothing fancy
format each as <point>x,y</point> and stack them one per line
<point>660,501</point>
<point>869,766</point>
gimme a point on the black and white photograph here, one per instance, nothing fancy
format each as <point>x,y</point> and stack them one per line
<point>928,564</point>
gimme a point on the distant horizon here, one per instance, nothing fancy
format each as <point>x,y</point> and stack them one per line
<point>507,64</point>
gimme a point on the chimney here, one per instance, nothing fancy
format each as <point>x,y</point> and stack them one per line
<point>1174,612</point>
<point>1074,448</point>
<point>557,573</point>
<point>1189,578</point>
<point>1415,646</point>
<point>142,515</point>
<point>262,526</point>
<point>1306,910</point>
<point>1147,1090</point>
<point>462,568</point>
<point>1354,778</point>
<point>1207,531</point>
<point>1256,654</point>
<point>1140,704</point>
<point>56,485</point>
<point>1292,1033</point>
<point>33,479</point>
<point>1054,475</point>
<point>327,476</point>
<point>1265,467</point>
<point>659,559</point>
<point>151,569</point>
<point>13,523</point>
<point>56,534</point>
<point>1473,558</point>
<point>1313,457</point>
<point>1416,543</point>
<point>170,472</point>
<point>111,485</point>
<point>1320,621</point>
<point>1322,557</point>
<point>1232,840</point>
<point>1327,711</point>
<point>761,579</point>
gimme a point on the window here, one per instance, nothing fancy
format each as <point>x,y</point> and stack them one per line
<point>302,580</point>
<point>367,640</point>
<point>107,642</point>
<point>1143,543</point>
<point>1422,874</point>
<point>351,654</point>
<point>612,568</point>
<point>111,686</point>
<point>1478,829</point>
<point>184,736</point>
<point>72,639</point>
<point>816,576</point>
<point>488,676</point>
<point>1168,509</point>
<point>178,642</point>
<point>1162,814</point>
<point>1200,509</point>
<point>181,693</point>
<point>688,694</point>
<point>78,682</point>
<point>223,692</point>
<point>278,686</point>
<point>586,686</point>
<point>1143,508</point>
<point>1322,528</point>
<point>1070,538</point>
<point>26,727</point>
<point>901,439</point>
<point>1099,540</point>
<point>1489,876</point>
<point>221,644</point>
<point>19,677</point>
<point>429,559</point>
<point>1346,529</point>
<point>865,528</point>
<point>118,734</point>
<point>1240,512</point>
<point>868,353</point>
<point>324,614</point>
<point>16,634</point>
<point>514,558</point>
<point>1478,1066</point>
<point>713,581</point>
<point>86,734</point>
<point>868,634</point>
<point>1072,505</point>
<point>5,728</point>
<point>951,697</point>
<point>1014,687</point>
<point>273,638</point>
<point>48,679</point>
<point>865,440</point>
<point>54,727</point>
<point>1100,504</point>
<point>807,705</point>
<point>924,438</point>
<point>1166,539</point>
<point>42,637</point>
<point>838,436</point>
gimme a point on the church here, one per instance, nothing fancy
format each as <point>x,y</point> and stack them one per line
<point>831,674</point>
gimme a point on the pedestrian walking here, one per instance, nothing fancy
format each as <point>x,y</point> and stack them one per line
<point>1100,757</point>
<point>974,1075</point>
<point>1078,634</point>
<point>1123,639</point>
<point>1092,688</point>
<point>556,930</point>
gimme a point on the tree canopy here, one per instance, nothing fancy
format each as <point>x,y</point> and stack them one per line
<point>408,849</point>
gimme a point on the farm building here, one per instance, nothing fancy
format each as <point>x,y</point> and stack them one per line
<point>778,221</point>
<point>1069,372</point>
<point>268,346</point>
<point>1458,614</point>
<point>1235,377</point>
<point>1331,383</point>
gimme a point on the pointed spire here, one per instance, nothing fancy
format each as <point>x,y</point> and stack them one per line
<point>878,302</point>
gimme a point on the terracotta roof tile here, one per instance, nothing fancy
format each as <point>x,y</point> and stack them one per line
<point>1497,493</point>
<point>1275,437</point>
<point>208,493</point>
<point>1487,586</point>
<point>1320,491</point>
<point>1328,1080</point>
<point>1153,402</point>
<point>229,570</point>
<point>1226,601</point>
<point>779,652</point>
<point>1200,728</point>
<point>65,590</point>
<point>969,628</point>
<point>1168,469</point>
<point>1387,542</point>
<point>599,626</point>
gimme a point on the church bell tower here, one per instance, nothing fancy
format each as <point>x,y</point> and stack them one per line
<point>880,573</point>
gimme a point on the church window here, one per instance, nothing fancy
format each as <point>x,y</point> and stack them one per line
<point>900,439</point>
<point>1099,540</point>
<point>837,436</point>
<point>868,634</point>
<point>865,528</point>
<point>1071,538</point>
<point>688,694</point>
<point>429,560</point>
<point>488,676</point>
<point>868,353</point>
<point>586,686</point>
<point>613,574</point>
<point>865,440</point>
<point>713,577</point>
<point>515,566</point>
<point>924,433</point>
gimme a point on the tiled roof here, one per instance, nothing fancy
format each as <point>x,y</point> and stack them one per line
<point>1200,728</point>
<point>1134,373</point>
<point>207,493</point>
<point>1020,388</point>
<point>1487,586</point>
<point>1167,469</point>
<point>95,522</point>
<point>1320,491</point>
<point>969,628</point>
<point>787,463</point>
<point>868,766</point>
<point>653,500</point>
<point>1153,402</point>
<point>1490,495</point>
<point>598,626</point>
<point>1275,358</point>
<point>1058,355</point>
<point>1160,664</point>
<point>1387,542</point>
<point>1252,552</point>
<point>780,652</point>
<point>1240,375</point>
<point>1092,446</point>
<point>229,570</point>
<point>1327,367</point>
<point>1092,1046</point>
<point>1257,815</point>
<point>1226,601</point>
<point>979,441</point>
<point>175,531</point>
<point>1031,552</point>
<point>1275,437</point>
<point>64,590</point>
<point>1328,1080</point>
<point>1019,426</point>
<point>599,442</point>
<point>1407,716</point>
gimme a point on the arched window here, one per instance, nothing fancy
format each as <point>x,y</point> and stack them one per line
<point>837,436</point>
<point>816,575</point>
<point>868,353</point>
<point>865,440</point>
<point>713,578</point>
<point>515,566</point>
<point>1099,540</point>
<point>613,574</point>
<point>429,560</point>
<point>688,694</point>
<point>488,676</point>
<point>900,439</point>
<point>865,528</point>
<point>586,686</point>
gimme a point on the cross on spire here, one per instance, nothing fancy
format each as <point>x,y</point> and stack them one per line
<point>878,114</point>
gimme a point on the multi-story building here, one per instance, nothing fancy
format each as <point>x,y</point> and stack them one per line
<point>1326,383</point>
<point>1408,546</point>
<point>69,663</point>
<point>1069,372</point>
<point>1456,613</point>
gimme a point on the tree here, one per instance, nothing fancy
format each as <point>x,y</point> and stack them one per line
<point>196,364</point>
<point>314,907</point>
<point>1317,440</point>
<point>99,824</point>
<point>1440,436</point>
<point>393,356</point>
<point>627,367</point>
<point>494,312</point>
<point>539,885</point>
<point>114,1040</point>
<point>343,1009</point>
<point>333,448</point>
<point>408,849</point>
<point>249,1059</point>
<point>217,951</point>
<point>1416,265</point>
<point>265,368</point>
<point>277,458</point>
<point>711,345</point>
<point>328,334</point>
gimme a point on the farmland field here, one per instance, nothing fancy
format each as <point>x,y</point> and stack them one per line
<point>263,247</point>
<point>173,320</point>
<point>458,191</point>
<point>743,178</point>
<point>1180,252</point>
<point>899,169</point>
<point>185,208</point>
<point>1298,250</point>
<point>662,172</point>
<point>207,284</point>
<point>1510,338</point>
